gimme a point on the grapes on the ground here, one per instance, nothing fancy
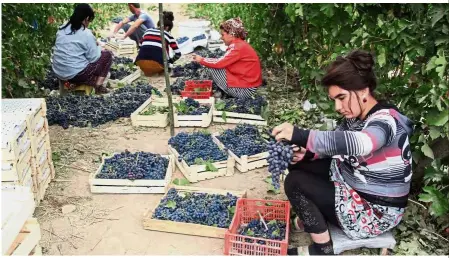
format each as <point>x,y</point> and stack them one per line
<point>279,158</point>
<point>134,166</point>
<point>197,145</point>
<point>245,139</point>
<point>252,105</point>
<point>198,208</point>
<point>256,228</point>
<point>83,111</point>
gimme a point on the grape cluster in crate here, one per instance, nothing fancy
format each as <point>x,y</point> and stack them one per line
<point>132,166</point>
<point>199,208</point>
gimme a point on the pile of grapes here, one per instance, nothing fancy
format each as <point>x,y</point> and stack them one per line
<point>191,107</point>
<point>51,81</point>
<point>121,67</point>
<point>280,156</point>
<point>255,228</point>
<point>252,105</point>
<point>204,52</point>
<point>196,145</point>
<point>192,69</point>
<point>199,208</point>
<point>83,111</point>
<point>132,166</point>
<point>243,140</point>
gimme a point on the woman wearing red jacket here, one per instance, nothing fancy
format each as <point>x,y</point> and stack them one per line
<point>238,72</point>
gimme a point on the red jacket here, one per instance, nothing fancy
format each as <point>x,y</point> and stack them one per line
<point>241,63</point>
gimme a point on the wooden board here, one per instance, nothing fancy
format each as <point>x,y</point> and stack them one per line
<point>238,118</point>
<point>203,120</point>
<point>15,139</point>
<point>17,206</point>
<point>27,240</point>
<point>156,120</point>
<point>195,173</point>
<point>245,163</point>
<point>127,80</point>
<point>188,228</point>
<point>15,170</point>
<point>98,185</point>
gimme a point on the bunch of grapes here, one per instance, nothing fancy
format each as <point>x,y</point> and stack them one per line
<point>193,107</point>
<point>132,166</point>
<point>255,228</point>
<point>280,156</point>
<point>196,145</point>
<point>252,105</point>
<point>199,208</point>
<point>204,52</point>
<point>245,139</point>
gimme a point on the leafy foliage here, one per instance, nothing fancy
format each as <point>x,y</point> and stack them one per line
<point>28,35</point>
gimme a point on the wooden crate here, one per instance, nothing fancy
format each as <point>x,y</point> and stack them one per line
<point>123,186</point>
<point>156,120</point>
<point>15,140</point>
<point>121,47</point>
<point>33,111</point>
<point>238,118</point>
<point>188,228</point>
<point>127,80</point>
<point>195,173</point>
<point>17,206</point>
<point>27,180</point>
<point>40,141</point>
<point>27,241</point>
<point>15,170</point>
<point>245,163</point>
<point>203,120</point>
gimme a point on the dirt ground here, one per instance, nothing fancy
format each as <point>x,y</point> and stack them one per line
<point>111,224</point>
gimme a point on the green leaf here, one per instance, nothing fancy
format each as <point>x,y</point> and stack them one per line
<point>438,119</point>
<point>273,222</point>
<point>271,189</point>
<point>427,151</point>
<point>276,233</point>
<point>231,211</point>
<point>171,204</point>
<point>381,58</point>
<point>437,15</point>
<point>268,180</point>
<point>431,64</point>
<point>250,232</point>
<point>434,132</point>
<point>440,204</point>
<point>210,166</point>
<point>220,105</point>
<point>224,116</point>
<point>181,181</point>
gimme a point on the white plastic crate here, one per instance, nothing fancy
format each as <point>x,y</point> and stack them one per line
<point>15,140</point>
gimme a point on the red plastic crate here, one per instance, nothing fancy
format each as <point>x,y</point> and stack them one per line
<point>197,89</point>
<point>246,210</point>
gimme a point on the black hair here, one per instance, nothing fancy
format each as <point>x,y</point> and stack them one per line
<point>81,12</point>
<point>168,20</point>
<point>168,15</point>
<point>352,72</point>
<point>135,5</point>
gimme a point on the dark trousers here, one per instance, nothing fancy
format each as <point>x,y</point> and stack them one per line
<point>137,35</point>
<point>312,194</point>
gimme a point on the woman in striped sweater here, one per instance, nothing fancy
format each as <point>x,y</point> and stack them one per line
<point>358,176</point>
<point>150,58</point>
<point>238,72</point>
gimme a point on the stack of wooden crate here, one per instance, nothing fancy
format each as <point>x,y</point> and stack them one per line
<point>20,231</point>
<point>31,114</point>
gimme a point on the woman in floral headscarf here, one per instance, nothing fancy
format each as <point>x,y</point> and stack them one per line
<point>238,72</point>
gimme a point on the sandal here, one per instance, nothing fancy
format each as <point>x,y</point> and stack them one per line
<point>300,250</point>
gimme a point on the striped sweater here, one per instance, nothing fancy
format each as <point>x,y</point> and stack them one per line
<point>151,48</point>
<point>374,155</point>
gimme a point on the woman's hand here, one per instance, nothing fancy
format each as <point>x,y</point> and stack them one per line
<point>197,58</point>
<point>283,132</point>
<point>298,154</point>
